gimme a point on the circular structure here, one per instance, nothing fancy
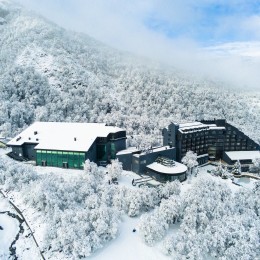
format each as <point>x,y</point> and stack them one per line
<point>164,169</point>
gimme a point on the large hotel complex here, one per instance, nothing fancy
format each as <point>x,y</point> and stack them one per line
<point>209,139</point>
<point>68,145</point>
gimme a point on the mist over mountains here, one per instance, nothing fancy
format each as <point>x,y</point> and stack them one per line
<point>50,74</point>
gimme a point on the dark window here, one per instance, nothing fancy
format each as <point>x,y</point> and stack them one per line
<point>101,152</point>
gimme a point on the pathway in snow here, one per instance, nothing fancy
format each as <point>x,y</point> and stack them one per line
<point>128,245</point>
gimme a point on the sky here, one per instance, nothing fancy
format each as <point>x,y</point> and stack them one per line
<point>208,37</point>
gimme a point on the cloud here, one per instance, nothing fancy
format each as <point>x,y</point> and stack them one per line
<point>174,31</point>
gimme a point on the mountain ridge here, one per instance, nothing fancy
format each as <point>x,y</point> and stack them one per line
<point>50,74</point>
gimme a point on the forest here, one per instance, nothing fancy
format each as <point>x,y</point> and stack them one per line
<point>50,74</point>
<point>82,212</point>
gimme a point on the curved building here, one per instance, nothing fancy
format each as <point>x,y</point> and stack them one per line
<point>164,169</point>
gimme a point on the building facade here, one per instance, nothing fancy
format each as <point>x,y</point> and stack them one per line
<point>209,139</point>
<point>157,162</point>
<point>68,145</point>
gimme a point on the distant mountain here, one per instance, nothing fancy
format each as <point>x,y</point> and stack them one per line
<point>50,74</point>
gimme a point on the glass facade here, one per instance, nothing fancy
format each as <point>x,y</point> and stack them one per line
<point>60,159</point>
<point>113,151</point>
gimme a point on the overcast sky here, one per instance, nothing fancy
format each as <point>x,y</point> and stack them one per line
<point>181,32</point>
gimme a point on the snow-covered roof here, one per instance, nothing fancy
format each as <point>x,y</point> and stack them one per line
<point>243,155</point>
<point>63,136</point>
<point>154,150</point>
<point>190,125</point>
<point>176,169</point>
<point>214,127</point>
<point>128,151</point>
<point>198,126</point>
<point>193,126</point>
<point>203,155</point>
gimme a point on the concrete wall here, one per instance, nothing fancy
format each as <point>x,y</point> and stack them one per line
<point>126,160</point>
<point>91,154</point>
<point>120,144</point>
<point>18,150</point>
<point>139,161</point>
<point>28,151</point>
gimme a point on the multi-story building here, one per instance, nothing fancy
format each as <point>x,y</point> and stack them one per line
<point>209,139</point>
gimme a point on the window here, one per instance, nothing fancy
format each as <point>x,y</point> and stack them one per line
<point>75,160</point>
<point>113,151</point>
<point>48,157</point>
<point>81,160</point>
<point>38,157</point>
<point>59,159</point>
<point>70,160</point>
<point>44,156</point>
<point>54,158</point>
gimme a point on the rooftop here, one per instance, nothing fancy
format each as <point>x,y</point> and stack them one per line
<point>198,126</point>
<point>63,136</point>
<point>153,150</point>
<point>173,170</point>
<point>243,155</point>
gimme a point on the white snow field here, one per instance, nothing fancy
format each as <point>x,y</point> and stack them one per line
<point>25,246</point>
<point>127,245</point>
<point>8,231</point>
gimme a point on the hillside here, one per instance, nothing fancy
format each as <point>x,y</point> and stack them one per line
<point>50,74</point>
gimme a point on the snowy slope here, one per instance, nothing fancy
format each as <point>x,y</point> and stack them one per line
<point>25,247</point>
<point>50,74</point>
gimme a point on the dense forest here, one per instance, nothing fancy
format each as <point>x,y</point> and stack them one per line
<point>50,74</point>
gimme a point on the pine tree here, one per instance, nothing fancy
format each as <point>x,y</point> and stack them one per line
<point>236,168</point>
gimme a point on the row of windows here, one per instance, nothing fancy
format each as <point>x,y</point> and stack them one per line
<point>60,159</point>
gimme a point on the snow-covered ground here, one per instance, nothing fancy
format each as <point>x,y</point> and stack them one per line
<point>127,245</point>
<point>10,228</point>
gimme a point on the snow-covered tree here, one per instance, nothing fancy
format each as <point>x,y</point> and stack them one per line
<point>221,171</point>
<point>114,169</point>
<point>168,189</point>
<point>170,209</point>
<point>255,167</point>
<point>218,171</point>
<point>190,160</point>
<point>152,227</point>
<point>236,169</point>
